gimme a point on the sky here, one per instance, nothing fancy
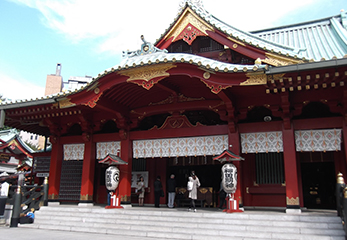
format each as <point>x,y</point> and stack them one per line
<point>87,36</point>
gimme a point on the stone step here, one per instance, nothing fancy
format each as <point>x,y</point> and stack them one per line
<point>283,226</point>
<point>179,224</point>
<point>177,214</point>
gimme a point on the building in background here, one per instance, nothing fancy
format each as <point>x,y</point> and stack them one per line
<point>14,153</point>
<point>74,83</point>
<point>54,82</point>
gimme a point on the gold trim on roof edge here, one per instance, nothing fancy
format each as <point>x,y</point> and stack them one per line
<point>65,103</point>
<point>148,72</point>
<point>276,60</point>
<point>258,78</point>
<point>188,17</point>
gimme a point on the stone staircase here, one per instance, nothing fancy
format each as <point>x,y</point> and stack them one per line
<point>164,223</point>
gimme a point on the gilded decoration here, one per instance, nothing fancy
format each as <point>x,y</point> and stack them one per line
<point>143,76</point>
<point>93,87</point>
<point>189,18</point>
<point>276,60</point>
<point>92,102</point>
<point>125,198</point>
<point>293,201</point>
<point>206,75</point>
<point>86,197</point>
<point>255,79</point>
<point>174,122</point>
<point>236,42</point>
<point>173,99</point>
<point>53,196</point>
<point>189,34</point>
<point>65,103</point>
<point>215,88</point>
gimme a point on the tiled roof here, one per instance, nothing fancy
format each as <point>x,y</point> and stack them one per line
<point>240,35</point>
<point>163,57</point>
<point>317,40</point>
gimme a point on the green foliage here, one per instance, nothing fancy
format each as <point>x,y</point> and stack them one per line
<point>32,146</point>
<point>2,99</point>
<point>5,128</point>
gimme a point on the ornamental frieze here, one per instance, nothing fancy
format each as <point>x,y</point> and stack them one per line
<point>144,76</point>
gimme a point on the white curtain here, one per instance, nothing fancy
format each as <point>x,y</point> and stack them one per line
<point>179,147</point>
<point>261,142</point>
<point>73,151</point>
<point>321,140</point>
<point>104,148</point>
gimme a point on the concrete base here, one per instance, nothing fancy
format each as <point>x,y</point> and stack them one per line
<point>86,204</point>
<point>2,220</point>
<point>293,211</point>
<point>127,206</point>
<point>8,214</point>
<point>53,204</point>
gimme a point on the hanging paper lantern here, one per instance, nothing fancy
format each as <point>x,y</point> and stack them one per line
<point>112,178</point>
<point>229,178</point>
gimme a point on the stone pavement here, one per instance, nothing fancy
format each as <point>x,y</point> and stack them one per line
<point>7,233</point>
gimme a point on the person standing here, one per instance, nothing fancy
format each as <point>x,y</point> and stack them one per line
<point>171,189</point>
<point>222,196</point>
<point>193,194</point>
<point>141,190</point>
<point>158,188</point>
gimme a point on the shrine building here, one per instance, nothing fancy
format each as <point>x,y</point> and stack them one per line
<point>275,97</point>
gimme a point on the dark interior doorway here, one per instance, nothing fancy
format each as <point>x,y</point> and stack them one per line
<point>318,185</point>
<point>209,175</point>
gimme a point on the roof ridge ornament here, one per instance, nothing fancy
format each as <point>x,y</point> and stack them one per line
<point>146,48</point>
<point>343,18</point>
<point>197,3</point>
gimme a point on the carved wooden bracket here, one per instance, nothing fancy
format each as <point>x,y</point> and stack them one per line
<point>86,137</point>
<point>54,128</point>
<point>123,134</point>
<point>176,121</point>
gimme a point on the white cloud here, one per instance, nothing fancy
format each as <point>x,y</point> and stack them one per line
<point>14,88</point>
<point>117,25</point>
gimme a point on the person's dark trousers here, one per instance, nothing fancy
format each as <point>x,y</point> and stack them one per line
<point>222,201</point>
<point>25,219</point>
<point>192,203</point>
<point>157,198</point>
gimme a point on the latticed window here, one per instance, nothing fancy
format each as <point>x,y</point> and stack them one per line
<point>139,164</point>
<point>269,168</point>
